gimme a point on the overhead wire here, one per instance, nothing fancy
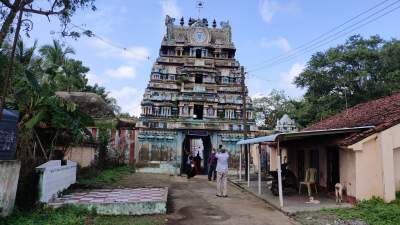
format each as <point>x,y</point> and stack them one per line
<point>320,44</point>
<point>104,40</point>
<point>306,47</point>
<point>326,33</point>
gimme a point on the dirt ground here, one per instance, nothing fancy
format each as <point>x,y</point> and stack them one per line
<point>323,218</point>
<point>193,202</point>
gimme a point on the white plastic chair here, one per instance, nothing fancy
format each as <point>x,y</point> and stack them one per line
<point>310,179</point>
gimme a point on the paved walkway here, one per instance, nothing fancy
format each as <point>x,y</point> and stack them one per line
<point>193,202</point>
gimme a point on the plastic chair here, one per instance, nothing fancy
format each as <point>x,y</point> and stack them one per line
<point>311,177</point>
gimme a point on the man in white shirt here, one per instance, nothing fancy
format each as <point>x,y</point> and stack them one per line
<point>222,171</point>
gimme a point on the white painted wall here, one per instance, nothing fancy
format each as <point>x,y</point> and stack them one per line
<point>55,178</point>
<point>376,169</point>
<point>396,160</point>
<point>9,175</point>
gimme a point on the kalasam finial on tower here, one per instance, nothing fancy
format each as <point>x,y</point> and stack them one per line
<point>199,6</point>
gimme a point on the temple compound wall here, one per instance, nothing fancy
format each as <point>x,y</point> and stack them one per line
<point>193,101</point>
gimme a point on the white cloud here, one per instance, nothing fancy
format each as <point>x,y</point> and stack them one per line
<point>287,79</point>
<point>281,43</point>
<point>128,99</point>
<point>122,72</point>
<point>94,79</point>
<point>258,95</point>
<point>171,8</point>
<point>132,54</point>
<point>135,53</point>
<point>258,87</point>
<point>294,71</point>
<point>268,8</point>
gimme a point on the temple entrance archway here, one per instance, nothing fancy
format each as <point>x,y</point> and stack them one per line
<point>198,144</point>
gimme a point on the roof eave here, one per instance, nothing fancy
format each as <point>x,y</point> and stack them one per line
<point>301,134</point>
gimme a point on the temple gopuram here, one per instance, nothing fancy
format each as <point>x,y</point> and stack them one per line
<point>193,101</point>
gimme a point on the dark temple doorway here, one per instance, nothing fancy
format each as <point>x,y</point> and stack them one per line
<point>199,147</point>
<point>198,53</point>
<point>198,112</point>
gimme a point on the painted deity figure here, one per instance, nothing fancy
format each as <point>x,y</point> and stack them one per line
<point>185,110</point>
<point>169,23</point>
<point>226,26</point>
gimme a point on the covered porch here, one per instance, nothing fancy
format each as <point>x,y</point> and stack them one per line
<point>292,203</point>
<point>297,153</point>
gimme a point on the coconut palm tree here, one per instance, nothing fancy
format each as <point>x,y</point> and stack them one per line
<point>55,54</point>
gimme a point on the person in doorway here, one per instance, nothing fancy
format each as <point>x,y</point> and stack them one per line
<point>191,172</point>
<point>222,172</point>
<point>212,165</point>
<point>197,163</point>
<point>189,166</point>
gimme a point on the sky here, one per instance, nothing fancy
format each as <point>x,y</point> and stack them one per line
<point>261,30</point>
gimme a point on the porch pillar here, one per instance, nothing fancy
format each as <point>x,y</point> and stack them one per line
<point>248,165</point>
<point>259,169</point>
<point>279,176</point>
<point>240,164</point>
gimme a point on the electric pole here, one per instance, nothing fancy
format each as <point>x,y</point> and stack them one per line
<point>244,117</point>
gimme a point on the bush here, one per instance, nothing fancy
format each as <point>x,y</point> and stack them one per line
<point>69,215</point>
<point>107,176</point>
<point>374,212</point>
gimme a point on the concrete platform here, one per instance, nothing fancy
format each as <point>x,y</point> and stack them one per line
<point>291,203</point>
<point>126,201</point>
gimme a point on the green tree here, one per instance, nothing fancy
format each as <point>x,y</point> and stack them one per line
<point>63,9</point>
<point>65,74</point>
<point>270,108</point>
<point>357,71</point>
<point>34,82</point>
<point>55,54</point>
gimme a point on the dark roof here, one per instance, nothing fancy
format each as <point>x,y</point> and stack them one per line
<point>382,113</point>
<point>89,103</point>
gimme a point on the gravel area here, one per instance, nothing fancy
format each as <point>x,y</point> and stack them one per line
<point>324,218</point>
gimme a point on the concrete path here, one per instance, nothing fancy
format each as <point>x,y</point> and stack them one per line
<point>194,203</point>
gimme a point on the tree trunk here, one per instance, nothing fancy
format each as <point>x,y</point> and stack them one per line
<point>10,67</point>
<point>8,21</point>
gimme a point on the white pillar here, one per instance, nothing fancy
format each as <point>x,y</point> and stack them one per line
<point>279,177</point>
<point>248,165</point>
<point>240,164</point>
<point>259,169</point>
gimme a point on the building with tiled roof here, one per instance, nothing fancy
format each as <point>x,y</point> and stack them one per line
<point>359,148</point>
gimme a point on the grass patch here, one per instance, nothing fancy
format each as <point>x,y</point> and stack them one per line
<point>71,215</point>
<point>374,212</point>
<point>128,220</point>
<point>75,215</point>
<point>107,176</point>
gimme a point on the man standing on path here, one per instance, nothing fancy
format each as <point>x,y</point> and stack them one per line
<point>212,165</point>
<point>222,171</point>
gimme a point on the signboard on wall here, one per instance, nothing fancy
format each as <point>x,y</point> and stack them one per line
<point>200,133</point>
<point>8,134</point>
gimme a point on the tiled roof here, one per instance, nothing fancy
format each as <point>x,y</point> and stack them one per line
<point>382,113</point>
